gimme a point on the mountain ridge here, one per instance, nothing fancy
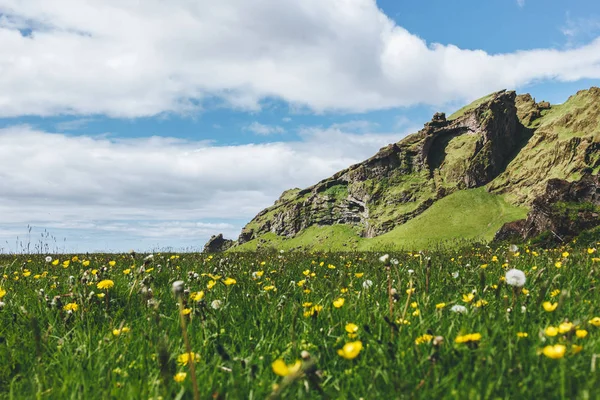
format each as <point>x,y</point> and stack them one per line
<point>508,144</point>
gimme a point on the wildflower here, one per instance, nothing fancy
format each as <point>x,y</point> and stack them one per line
<point>410,271</point>
<point>565,254</point>
<point>549,306</point>
<point>551,331</point>
<point>268,288</point>
<point>384,258</point>
<point>351,328</point>
<point>301,282</point>
<point>229,281</point>
<point>282,369</point>
<point>522,334</point>
<point>105,284</point>
<point>555,293</point>
<point>414,304</point>
<point>525,291</point>
<point>513,248</point>
<point>257,274</point>
<point>71,307</point>
<point>307,304</point>
<point>66,263</point>
<point>85,263</point>
<point>112,263</point>
<point>211,284</point>
<point>2,305</point>
<point>216,304</point>
<point>467,298</point>
<point>186,311</point>
<point>367,284</point>
<point>455,274</point>
<point>184,358</point>
<point>457,308</point>
<point>565,327</point>
<point>48,259</point>
<point>180,377</point>
<point>117,332</point>
<point>344,290</point>
<point>410,291</point>
<point>515,277</point>
<point>595,321</point>
<point>558,264</point>
<point>468,338</point>
<point>350,350</point>
<point>359,274</point>
<point>339,302</point>
<point>2,293</point>
<point>480,303</point>
<point>576,348</point>
<point>439,306</point>
<point>581,333</point>
<point>423,339</point>
<point>483,266</point>
<point>127,271</point>
<point>591,251</point>
<point>55,262</point>
<point>416,313</point>
<point>197,296</point>
<point>555,352</point>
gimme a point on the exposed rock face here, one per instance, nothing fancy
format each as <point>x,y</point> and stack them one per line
<point>405,178</point>
<point>560,213</point>
<point>217,244</point>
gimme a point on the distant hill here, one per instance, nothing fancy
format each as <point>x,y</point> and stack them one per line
<point>503,159</point>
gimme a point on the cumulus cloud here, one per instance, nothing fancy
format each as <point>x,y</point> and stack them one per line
<point>132,59</point>
<point>158,187</point>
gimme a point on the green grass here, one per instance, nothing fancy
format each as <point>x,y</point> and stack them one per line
<point>49,353</point>
<point>470,107</point>
<point>472,214</point>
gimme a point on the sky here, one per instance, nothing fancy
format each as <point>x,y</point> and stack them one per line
<point>151,125</point>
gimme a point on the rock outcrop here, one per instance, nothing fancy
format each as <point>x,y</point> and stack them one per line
<point>217,244</point>
<point>563,211</point>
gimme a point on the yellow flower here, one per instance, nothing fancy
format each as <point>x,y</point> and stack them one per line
<point>86,263</point>
<point>112,263</point>
<point>55,262</point>
<point>127,271</point>
<point>555,293</point>
<point>282,369</point>
<point>339,302</point>
<point>301,282</point>
<point>180,377</point>
<point>416,313</point>
<point>186,311</point>
<point>565,254</point>
<point>522,334</point>
<point>75,259</point>
<point>576,348</point>
<point>211,284</point>
<point>414,304</point>
<point>595,321</point>
<point>117,331</point>
<point>306,272</point>
<point>480,303</point>
<point>525,291</point>
<point>229,281</point>
<point>467,298</point>
<point>2,293</point>
<point>495,259</point>
<point>359,274</point>
<point>410,291</point>
<point>565,327</point>
<point>581,333</point>
<point>549,306</point>
<point>483,266</point>
<point>268,288</point>
<point>440,305</point>
<point>351,328</point>
<point>331,266</point>
<point>307,304</point>
<point>591,250</point>
<point>105,284</point>
<point>558,264</point>
<point>197,296</point>
<point>423,339</point>
<point>344,290</point>
<point>66,263</point>
<point>71,307</point>
<point>350,350</point>
<point>468,338</point>
<point>259,274</point>
<point>101,295</point>
<point>184,358</point>
<point>551,331</point>
<point>94,271</point>
<point>555,352</point>
<point>26,274</point>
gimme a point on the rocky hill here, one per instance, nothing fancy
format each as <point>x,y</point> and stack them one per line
<point>461,177</point>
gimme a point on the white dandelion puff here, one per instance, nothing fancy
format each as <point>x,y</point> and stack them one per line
<point>515,277</point>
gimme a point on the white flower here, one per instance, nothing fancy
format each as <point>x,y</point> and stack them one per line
<point>457,308</point>
<point>177,287</point>
<point>411,271</point>
<point>523,309</point>
<point>455,274</point>
<point>216,304</point>
<point>394,261</point>
<point>48,259</point>
<point>149,257</point>
<point>513,248</point>
<point>2,304</point>
<point>384,258</point>
<point>515,277</point>
<point>367,284</point>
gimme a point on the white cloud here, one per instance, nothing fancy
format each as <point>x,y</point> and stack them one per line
<point>264,130</point>
<point>580,29</point>
<point>130,59</point>
<point>158,188</point>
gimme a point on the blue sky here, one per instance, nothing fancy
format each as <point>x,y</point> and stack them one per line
<point>153,125</point>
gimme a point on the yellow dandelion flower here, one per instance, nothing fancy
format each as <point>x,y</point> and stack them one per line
<point>565,254</point>
<point>55,262</point>
<point>85,263</point>
<point>66,263</point>
<point>229,281</point>
<point>595,321</point>
<point>480,303</point>
<point>282,369</point>
<point>339,302</point>
<point>350,350</point>
<point>581,333</point>
<point>467,298</point>
<point>105,284</point>
<point>180,377</point>
<point>549,306</point>
<point>197,296</point>
<point>112,263</point>
<point>184,358</point>
<point>555,352</point>
<point>71,307</point>
<point>558,264</point>
<point>127,271</point>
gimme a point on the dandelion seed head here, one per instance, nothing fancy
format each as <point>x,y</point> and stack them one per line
<point>515,277</point>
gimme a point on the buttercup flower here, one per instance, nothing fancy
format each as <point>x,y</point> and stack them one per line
<point>282,369</point>
<point>350,350</point>
<point>555,352</point>
<point>180,377</point>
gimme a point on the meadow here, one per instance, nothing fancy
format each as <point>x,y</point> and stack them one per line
<point>476,323</point>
